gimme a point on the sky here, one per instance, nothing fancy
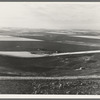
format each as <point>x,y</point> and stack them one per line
<point>50,15</point>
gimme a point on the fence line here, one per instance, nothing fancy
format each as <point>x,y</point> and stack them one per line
<point>47,78</point>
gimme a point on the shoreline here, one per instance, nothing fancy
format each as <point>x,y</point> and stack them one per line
<point>25,54</point>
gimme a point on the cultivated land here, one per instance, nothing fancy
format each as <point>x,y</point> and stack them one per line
<point>49,42</point>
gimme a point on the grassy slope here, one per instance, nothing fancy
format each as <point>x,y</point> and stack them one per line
<point>90,86</point>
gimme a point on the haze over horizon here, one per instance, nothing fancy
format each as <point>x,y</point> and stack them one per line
<point>50,15</point>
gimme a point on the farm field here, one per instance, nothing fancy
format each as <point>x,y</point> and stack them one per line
<point>44,43</point>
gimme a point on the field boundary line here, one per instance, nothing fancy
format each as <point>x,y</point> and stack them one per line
<point>47,78</point>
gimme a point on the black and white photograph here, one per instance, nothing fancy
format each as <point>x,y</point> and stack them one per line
<point>50,48</point>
